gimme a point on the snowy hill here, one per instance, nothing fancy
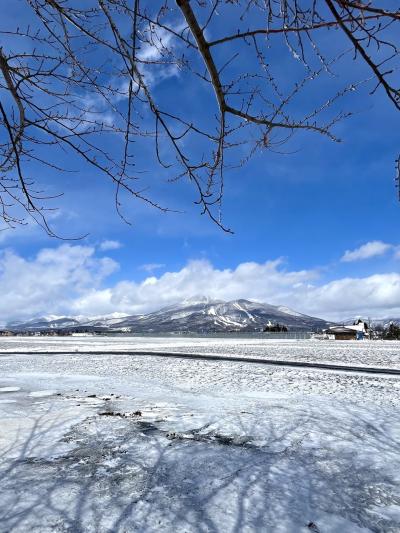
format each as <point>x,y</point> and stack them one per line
<point>199,314</point>
<point>385,322</point>
<point>46,323</point>
<point>375,322</point>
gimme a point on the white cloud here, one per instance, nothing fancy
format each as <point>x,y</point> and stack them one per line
<point>50,282</point>
<point>374,296</point>
<point>151,267</point>
<point>70,279</point>
<point>109,245</point>
<point>370,249</point>
<point>157,55</point>
<point>266,281</point>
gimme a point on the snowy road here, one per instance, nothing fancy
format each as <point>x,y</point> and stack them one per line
<point>101,443</point>
<point>229,359</point>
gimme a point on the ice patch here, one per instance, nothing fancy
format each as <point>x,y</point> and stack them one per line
<point>391,512</point>
<point>9,389</point>
<point>42,393</point>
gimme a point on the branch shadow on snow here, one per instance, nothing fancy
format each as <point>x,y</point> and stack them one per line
<point>113,473</point>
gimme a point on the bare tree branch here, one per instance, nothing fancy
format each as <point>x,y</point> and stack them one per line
<point>86,82</point>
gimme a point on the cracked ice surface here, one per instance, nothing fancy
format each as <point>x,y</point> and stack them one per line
<point>104,443</point>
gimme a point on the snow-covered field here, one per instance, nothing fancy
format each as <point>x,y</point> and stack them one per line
<point>365,353</point>
<point>102,443</point>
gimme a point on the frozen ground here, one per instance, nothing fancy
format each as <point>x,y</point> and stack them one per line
<point>365,353</point>
<point>104,443</point>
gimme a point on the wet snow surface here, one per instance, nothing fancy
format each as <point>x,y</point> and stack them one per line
<point>104,443</point>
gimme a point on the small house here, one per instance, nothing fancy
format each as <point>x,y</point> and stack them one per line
<point>341,333</point>
<point>361,328</point>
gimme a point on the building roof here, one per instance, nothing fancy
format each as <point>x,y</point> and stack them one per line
<point>340,329</point>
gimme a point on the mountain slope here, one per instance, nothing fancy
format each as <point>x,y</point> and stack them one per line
<point>219,316</point>
<point>198,314</point>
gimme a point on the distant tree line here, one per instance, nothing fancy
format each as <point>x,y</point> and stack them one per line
<point>392,332</point>
<point>275,328</point>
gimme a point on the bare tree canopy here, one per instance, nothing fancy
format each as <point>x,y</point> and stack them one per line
<point>83,76</point>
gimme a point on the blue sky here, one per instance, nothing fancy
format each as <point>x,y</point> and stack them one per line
<point>304,210</point>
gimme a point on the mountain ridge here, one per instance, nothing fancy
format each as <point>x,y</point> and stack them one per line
<point>197,314</point>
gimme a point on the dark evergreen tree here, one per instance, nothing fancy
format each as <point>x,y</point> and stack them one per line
<point>393,332</point>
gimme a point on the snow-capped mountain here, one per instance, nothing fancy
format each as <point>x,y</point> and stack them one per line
<point>374,322</point>
<point>46,323</point>
<point>199,314</point>
<point>65,322</point>
<point>385,322</point>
